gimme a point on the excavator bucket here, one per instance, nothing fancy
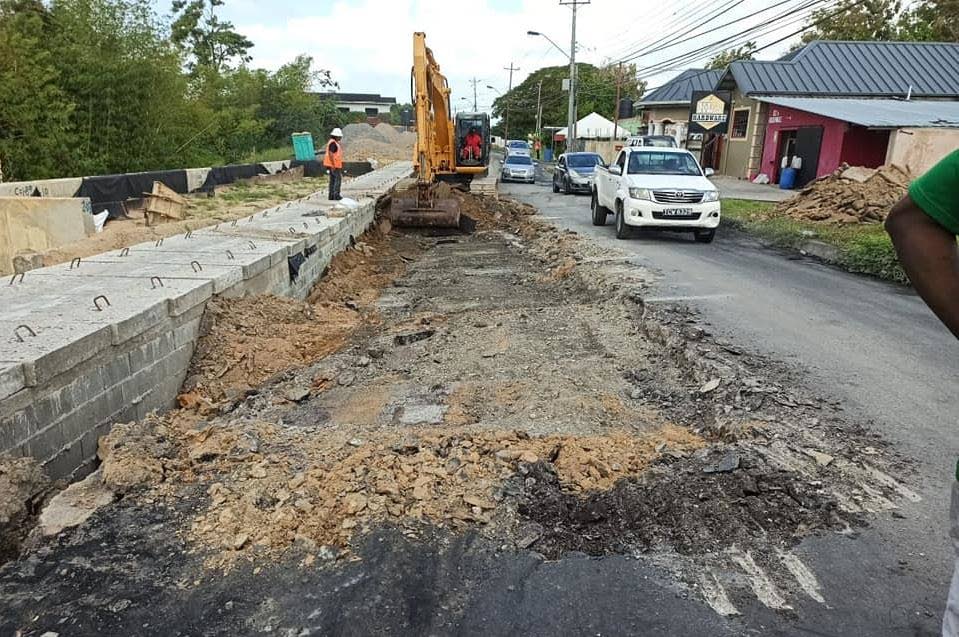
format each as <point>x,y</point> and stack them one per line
<point>407,211</point>
<point>427,206</point>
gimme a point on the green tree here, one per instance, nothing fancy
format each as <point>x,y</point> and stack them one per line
<point>209,42</point>
<point>596,91</point>
<point>931,21</point>
<point>125,81</point>
<point>725,58</point>
<point>35,137</point>
<point>856,20</point>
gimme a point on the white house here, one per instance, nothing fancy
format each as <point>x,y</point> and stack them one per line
<point>372,104</point>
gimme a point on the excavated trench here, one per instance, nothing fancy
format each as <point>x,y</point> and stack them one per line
<point>507,386</point>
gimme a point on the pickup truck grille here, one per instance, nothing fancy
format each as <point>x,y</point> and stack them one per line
<point>678,196</point>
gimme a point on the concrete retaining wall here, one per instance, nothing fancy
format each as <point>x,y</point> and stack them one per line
<point>73,370</point>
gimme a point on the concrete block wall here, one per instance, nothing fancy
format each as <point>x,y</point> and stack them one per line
<point>68,370</point>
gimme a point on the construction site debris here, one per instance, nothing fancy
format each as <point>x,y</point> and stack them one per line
<point>243,342</point>
<point>849,195</point>
<point>74,505</point>
<point>163,204</point>
<point>23,486</point>
<point>294,487</point>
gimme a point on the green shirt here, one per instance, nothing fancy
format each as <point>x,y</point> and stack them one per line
<point>937,192</point>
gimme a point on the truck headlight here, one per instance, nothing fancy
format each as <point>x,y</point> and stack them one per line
<point>711,195</point>
<point>641,193</point>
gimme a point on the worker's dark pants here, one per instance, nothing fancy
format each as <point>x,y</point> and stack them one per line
<point>336,178</point>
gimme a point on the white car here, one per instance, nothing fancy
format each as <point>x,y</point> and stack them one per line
<point>518,147</point>
<point>658,189</point>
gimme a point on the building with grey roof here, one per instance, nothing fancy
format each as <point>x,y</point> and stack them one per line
<point>835,102</point>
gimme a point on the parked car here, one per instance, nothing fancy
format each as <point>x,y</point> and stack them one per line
<point>659,141</point>
<point>518,168</point>
<point>574,172</point>
<point>518,147</point>
<point>656,188</point>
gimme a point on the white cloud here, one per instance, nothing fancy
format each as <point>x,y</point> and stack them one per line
<point>367,44</point>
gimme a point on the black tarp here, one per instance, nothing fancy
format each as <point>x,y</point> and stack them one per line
<point>109,192</point>
<point>222,175</point>
<point>310,168</point>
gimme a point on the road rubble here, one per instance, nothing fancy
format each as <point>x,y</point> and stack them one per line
<point>509,389</point>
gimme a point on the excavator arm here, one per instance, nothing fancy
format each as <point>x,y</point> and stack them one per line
<point>435,152</point>
<point>435,149</point>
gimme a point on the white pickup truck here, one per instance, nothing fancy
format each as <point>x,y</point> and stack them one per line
<point>659,189</point>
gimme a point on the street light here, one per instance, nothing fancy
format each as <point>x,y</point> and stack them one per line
<point>571,56</point>
<point>558,47</point>
<point>493,88</point>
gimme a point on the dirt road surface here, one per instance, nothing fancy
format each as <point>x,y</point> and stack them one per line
<point>508,435</point>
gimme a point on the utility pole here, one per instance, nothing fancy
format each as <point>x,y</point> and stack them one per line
<point>539,109</point>
<point>571,114</point>
<point>619,82</point>
<point>473,82</point>
<point>509,90</point>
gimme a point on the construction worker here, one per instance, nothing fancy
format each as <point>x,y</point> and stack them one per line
<point>333,160</point>
<point>923,226</point>
<point>473,148</point>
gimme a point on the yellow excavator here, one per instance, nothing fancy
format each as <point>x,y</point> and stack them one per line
<point>445,151</point>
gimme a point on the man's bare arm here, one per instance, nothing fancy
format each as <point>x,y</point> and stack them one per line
<point>929,255</point>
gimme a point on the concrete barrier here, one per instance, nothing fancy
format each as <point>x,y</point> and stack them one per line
<point>110,339</point>
<point>39,224</point>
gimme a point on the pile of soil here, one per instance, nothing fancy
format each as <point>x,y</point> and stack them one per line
<point>849,195</point>
<point>687,509</point>
<point>271,487</point>
<point>243,342</point>
<point>23,488</point>
<point>383,143</point>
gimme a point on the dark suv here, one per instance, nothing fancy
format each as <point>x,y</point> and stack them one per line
<point>574,172</point>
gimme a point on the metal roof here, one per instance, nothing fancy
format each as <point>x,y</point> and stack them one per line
<point>376,98</point>
<point>877,113</point>
<point>860,69</point>
<point>679,90</point>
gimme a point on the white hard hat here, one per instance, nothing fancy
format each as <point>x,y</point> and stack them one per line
<point>336,132</point>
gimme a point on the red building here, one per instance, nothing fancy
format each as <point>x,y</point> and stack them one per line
<point>839,142</point>
<point>829,103</point>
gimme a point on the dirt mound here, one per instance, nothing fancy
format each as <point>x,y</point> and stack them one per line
<point>23,487</point>
<point>383,144</point>
<point>687,509</point>
<point>849,195</point>
<point>271,487</point>
<point>245,341</point>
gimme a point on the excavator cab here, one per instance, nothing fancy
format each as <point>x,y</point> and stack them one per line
<point>469,125</point>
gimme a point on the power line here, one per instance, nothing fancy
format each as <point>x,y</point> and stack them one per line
<point>669,38</point>
<point>678,22</point>
<point>732,40</point>
<point>723,26</point>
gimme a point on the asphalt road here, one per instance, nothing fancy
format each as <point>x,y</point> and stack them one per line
<point>870,345</point>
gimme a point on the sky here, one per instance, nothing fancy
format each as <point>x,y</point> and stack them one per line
<point>367,44</point>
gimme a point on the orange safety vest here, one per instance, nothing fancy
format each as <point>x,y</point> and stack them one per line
<point>331,159</point>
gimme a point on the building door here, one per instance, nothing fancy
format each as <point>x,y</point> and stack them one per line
<point>808,142</point>
<point>786,151</point>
